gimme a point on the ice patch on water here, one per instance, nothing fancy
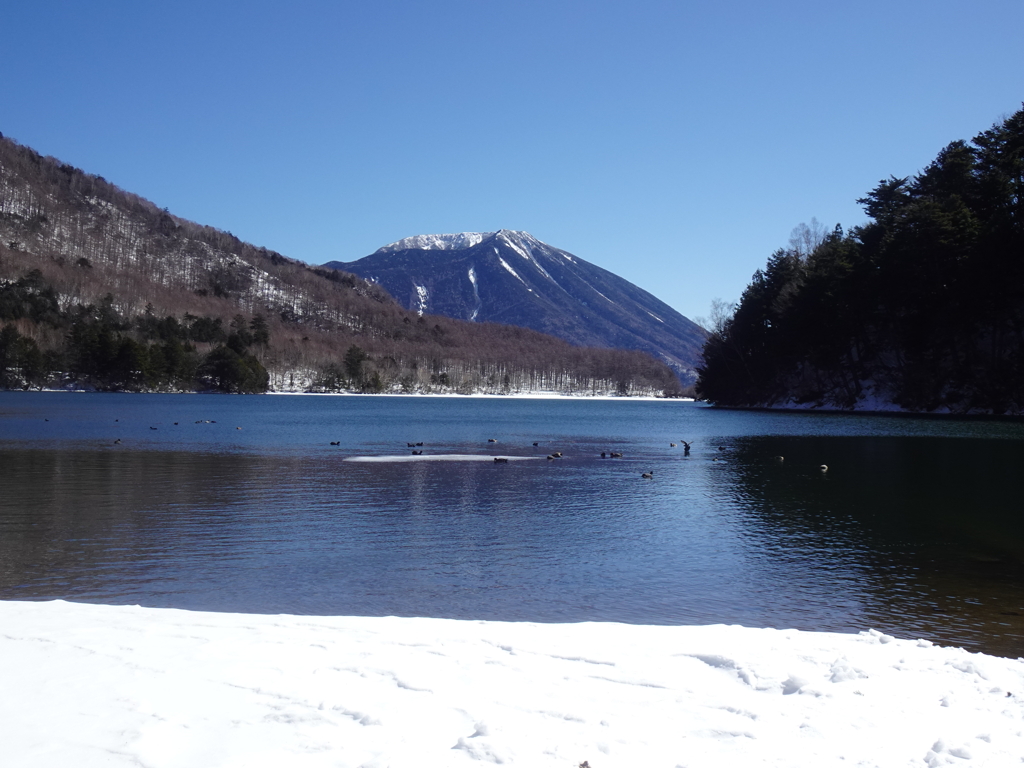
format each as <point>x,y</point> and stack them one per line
<point>440,457</point>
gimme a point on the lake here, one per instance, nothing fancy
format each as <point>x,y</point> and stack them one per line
<point>241,503</point>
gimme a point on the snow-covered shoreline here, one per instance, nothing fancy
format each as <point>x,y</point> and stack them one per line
<point>536,395</point>
<point>93,685</point>
<point>540,395</point>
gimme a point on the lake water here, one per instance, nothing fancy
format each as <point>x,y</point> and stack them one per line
<point>236,503</point>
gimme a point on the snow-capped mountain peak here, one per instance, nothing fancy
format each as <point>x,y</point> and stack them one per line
<point>511,277</point>
<point>461,240</point>
<point>449,242</point>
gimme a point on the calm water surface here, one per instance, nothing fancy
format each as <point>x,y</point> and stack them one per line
<point>915,529</point>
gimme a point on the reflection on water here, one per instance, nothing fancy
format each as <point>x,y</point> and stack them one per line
<point>934,526</point>
<point>915,529</point>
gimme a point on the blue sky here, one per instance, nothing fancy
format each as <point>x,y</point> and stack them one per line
<point>676,144</point>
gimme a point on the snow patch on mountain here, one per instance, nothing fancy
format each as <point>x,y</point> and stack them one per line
<point>545,273</point>
<point>476,294</point>
<point>450,242</point>
<point>522,248</point>
<point>514,273</point>
<point>421,295</point>
<point>599,293</point>
<point>522,242</point>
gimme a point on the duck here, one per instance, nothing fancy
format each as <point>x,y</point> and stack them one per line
<point>648,475</point>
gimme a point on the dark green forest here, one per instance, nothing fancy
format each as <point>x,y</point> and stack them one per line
<point>921,307</point>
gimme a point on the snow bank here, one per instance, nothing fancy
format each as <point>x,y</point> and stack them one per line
<point>89,685</point>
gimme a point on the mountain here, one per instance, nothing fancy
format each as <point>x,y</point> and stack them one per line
<point>102,289</point>
<point>512,277</point>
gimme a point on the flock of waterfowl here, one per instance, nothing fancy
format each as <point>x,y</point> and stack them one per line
<point>198,421</point>
<point>554,455</point>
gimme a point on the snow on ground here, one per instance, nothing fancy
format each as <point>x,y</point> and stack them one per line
<point>533,395</point>
<point>90,685</point>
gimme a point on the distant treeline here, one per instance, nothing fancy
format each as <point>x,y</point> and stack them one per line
<point>97,347</point>
<point>101,349</point>
<point>922,307</point>
<point>100,288</point>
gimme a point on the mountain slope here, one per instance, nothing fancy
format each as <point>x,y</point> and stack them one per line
<point>102,289</point>
<point>511,277</point>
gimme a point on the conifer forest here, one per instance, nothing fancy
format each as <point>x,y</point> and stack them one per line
<point>921,307</point>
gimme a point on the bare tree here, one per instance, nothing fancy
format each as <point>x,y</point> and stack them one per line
<point>805,238</point>
<point>720,314</point>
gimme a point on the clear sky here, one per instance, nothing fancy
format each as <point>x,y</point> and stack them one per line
<point>676,144</point>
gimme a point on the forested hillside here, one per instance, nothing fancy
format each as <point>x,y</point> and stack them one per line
<point>920,308</point>
<point>101,289</point>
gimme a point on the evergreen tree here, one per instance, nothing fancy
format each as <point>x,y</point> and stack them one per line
<point>923,304</point>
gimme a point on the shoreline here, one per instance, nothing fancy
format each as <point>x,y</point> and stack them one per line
<point>492,396</point>
<point>91,684</point>
<point>540,395</point>
<point>892,413</point>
